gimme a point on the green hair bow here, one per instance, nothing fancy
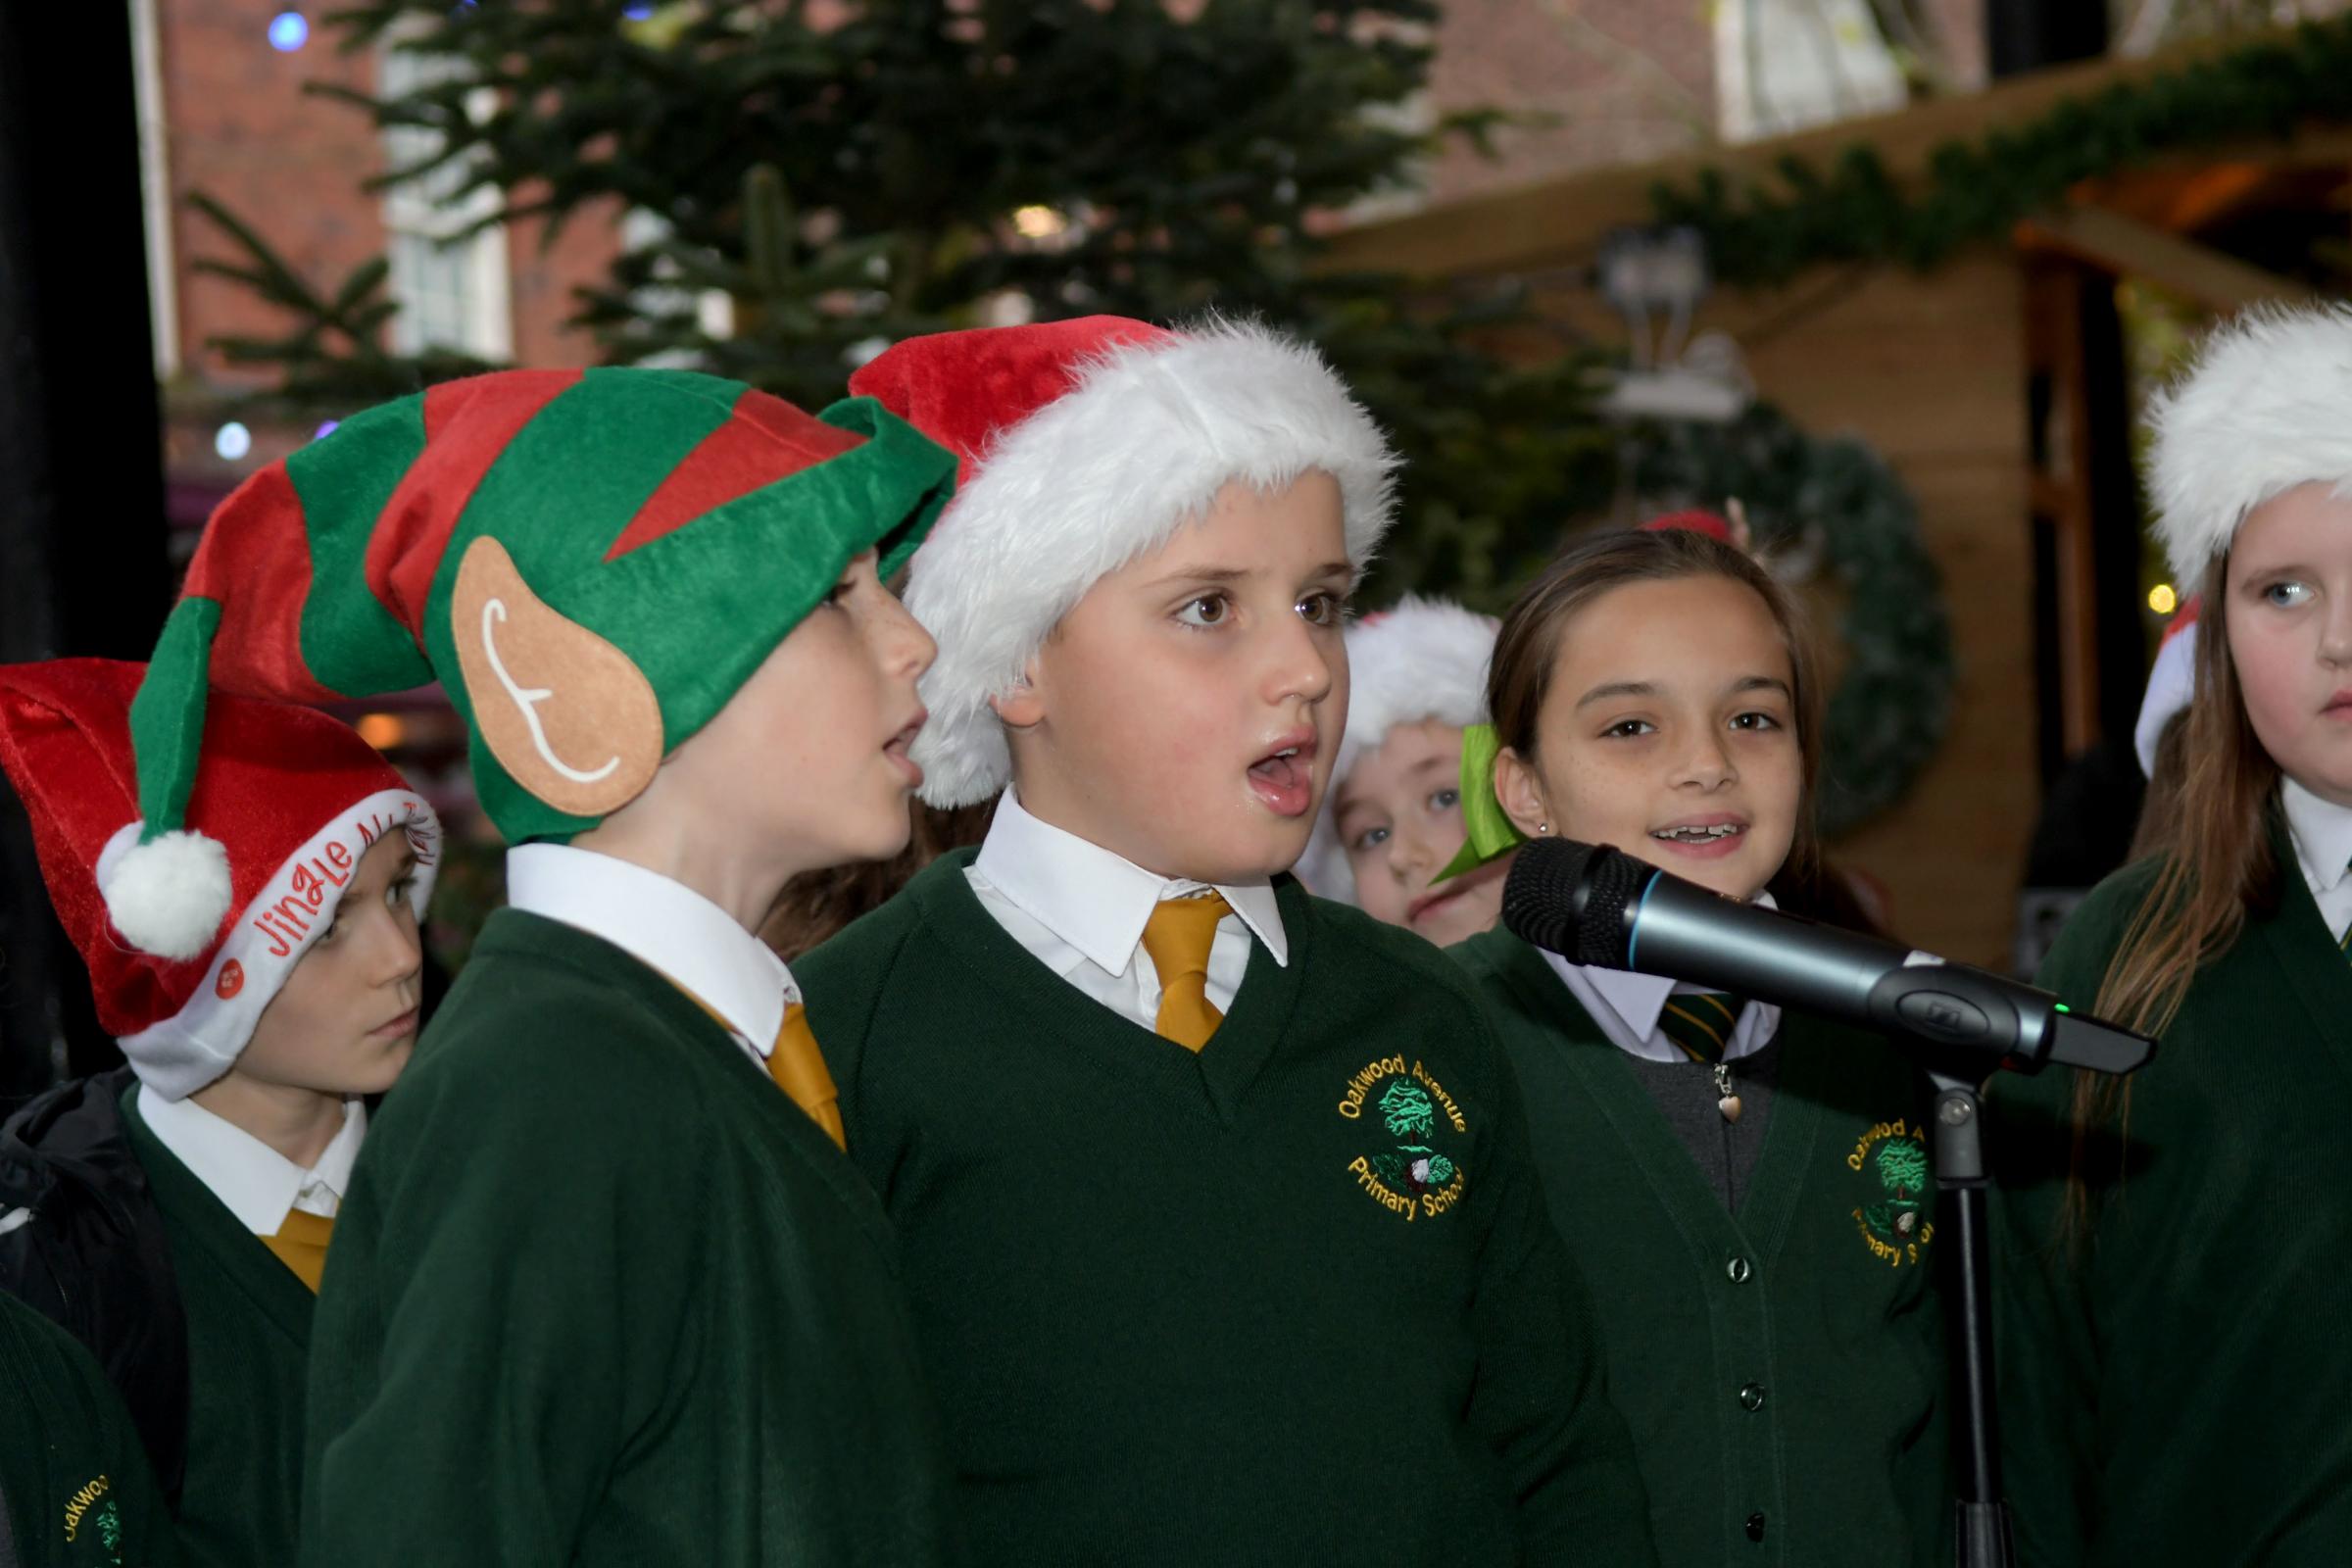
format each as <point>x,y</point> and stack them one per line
<point>1492,834</point>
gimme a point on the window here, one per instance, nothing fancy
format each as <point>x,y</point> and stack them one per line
<point>451,286</point>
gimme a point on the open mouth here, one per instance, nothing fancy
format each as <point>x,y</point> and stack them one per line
<point>896,749</point>
<point>1283,778</point>
<point>1706,838</point>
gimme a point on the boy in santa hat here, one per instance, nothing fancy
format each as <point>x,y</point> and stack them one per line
<point>76,1490</point>
<point>1393,818</point>
<point>605,1289</point>
<point>174,1214</point>
<point>1219,1221</point>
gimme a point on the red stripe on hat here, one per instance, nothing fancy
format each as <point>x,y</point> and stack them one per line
<point>767,439</point>
<point>255,561</point>
<point>467,425</point>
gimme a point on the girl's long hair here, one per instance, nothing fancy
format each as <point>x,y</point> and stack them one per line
<point>2216,867</point>
<point>1529,644</point>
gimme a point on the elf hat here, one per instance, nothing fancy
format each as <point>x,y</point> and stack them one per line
<point>287,801</point>
<point>2171,682</point>
<point>2266,406</point>
<point>1086,445</point>
<point>1424,660</point>
<point>590,563</point>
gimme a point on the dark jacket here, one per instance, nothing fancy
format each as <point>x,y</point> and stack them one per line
<point>84,1243</point>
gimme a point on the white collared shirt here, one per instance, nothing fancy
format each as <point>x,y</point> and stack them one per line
<point>1080,910</point>
<point>256,1183</point>
<point>2322,835</point>
<point>664,925</point>
<point>1628,1006</point>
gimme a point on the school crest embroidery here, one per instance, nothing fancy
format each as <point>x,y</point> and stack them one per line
<point>1891,1209</point>
<point>91,1509</point>
<point>1415,1171</point>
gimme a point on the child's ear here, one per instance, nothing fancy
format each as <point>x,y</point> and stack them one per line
<point>1520,793</point>
<point>1023,707</point>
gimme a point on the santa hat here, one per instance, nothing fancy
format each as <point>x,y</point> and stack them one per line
<point>1086,445</point>
<point>2171,682</point>
<point>1424,660</point>
<point>284,804</point>
<point>591,562</point>
<point>2266,406</point>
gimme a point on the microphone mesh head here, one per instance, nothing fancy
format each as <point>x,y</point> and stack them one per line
<point>1570,898</point>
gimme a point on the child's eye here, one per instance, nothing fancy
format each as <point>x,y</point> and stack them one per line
<point>1210,610</point>
<point>397,893</point>
<point>1323,609</point>
<point>841,590</point>
<point>1755,721</point>
<point>1446,800</point>
<point>1627,728</point>
<point>1371,838</point>
<point>2285,595</point>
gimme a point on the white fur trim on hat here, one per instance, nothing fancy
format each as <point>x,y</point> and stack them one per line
<point>2172,681</point>
<point>169,895</point>
<point>1426,659</point>
<point>2267,407</point>
<point>1105,473</point>
<point>181,1054</point>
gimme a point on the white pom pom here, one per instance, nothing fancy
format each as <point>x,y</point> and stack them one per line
<point>167,896</point>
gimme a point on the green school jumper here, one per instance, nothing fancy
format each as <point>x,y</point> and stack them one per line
<point>1291,1300</point>
<point>249,1335</point>
<point>72,1474</point>
<point>1782,1366</point>
<point>2176,1380</point>
<point>602,1295</point>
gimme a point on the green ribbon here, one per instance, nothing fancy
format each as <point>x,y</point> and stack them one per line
<point>1492,834</point>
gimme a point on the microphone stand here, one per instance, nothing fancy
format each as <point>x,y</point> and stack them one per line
<point>1984,1536</point>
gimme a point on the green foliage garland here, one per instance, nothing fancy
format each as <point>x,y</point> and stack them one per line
<point>1854,211</point>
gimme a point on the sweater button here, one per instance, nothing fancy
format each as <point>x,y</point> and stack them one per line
<point>1737,1268</point>
<point>1755,1527</point>
<point>1751,1397</point>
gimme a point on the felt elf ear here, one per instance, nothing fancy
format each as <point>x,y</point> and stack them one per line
<point>569,717</point>
<point>1493,834</point>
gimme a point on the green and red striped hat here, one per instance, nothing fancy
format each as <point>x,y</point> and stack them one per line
<point>590,563</point>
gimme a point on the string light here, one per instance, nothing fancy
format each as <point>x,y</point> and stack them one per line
<point>324,430</point>
<point>1039,223</point>
<point>2162,599</point>
<point>288,31</point>
<point>232,441</point>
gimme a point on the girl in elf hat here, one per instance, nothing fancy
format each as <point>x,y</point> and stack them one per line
<point>174,1214</point>
<point>605,1288</point>
<point>1393,818</point>
<point>1218,1219</point>
<point>2172,1361</point>
<point>1757,1179</point>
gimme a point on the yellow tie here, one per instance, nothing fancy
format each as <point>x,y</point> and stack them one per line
<point>301,1245</point>
<point>1178,937</point>
<point>799,1069</point>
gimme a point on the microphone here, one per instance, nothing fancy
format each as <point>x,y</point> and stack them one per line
<point>1594,905</point>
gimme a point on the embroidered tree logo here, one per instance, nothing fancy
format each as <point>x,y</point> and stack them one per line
<point>1902,1166</point>
<point>1411,1117</point>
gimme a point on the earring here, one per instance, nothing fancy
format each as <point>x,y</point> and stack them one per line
<point>1543,827</point>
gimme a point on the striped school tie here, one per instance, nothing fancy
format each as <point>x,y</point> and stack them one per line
<point>301,1245</point>
<point>1700,1023</point>
<point>799,1069</point>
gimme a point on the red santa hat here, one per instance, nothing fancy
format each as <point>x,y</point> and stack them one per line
<point>1084,446</point>
<point>283,804</point>
<point>2171,682</point>
<point>1424,660</point>
<point>2266,406</point>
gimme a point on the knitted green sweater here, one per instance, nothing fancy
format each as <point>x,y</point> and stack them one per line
<point>249,1335</point>
<point>602,1295</point>
<point>74,1490</point>
<point>1782,1367</point>
<point>2174,1375</point>
<point>1293,1299</point>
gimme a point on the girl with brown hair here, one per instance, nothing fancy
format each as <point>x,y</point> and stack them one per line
<point>1749,1186</point>
<point>2173,1360</point>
